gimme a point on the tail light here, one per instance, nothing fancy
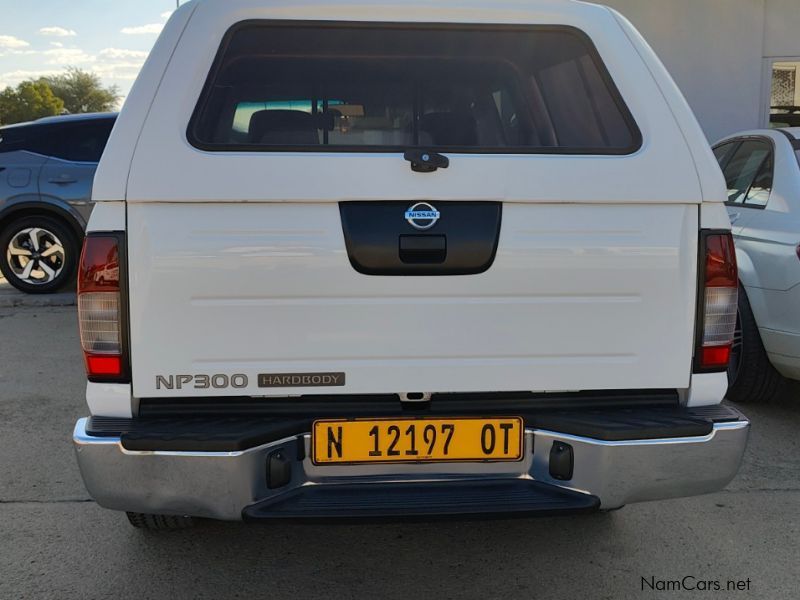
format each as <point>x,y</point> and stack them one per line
<point>718,301</point>
<point>101,310</point>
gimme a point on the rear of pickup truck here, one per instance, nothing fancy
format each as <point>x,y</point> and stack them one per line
<point>347,268</point>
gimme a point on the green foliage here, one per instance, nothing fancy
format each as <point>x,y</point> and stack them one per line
<point>28,101</point>
<point>75,91</point>
<point>83,92</point>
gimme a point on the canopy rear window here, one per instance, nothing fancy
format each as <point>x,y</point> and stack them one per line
<point>323,87</point>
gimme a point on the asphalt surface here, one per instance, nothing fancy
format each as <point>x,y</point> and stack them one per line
<point>11,298</point>
<point>56,543</point>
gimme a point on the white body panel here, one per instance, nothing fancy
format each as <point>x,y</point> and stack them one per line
<point>109,399</point>
<point>578,298</point>
<point>237,262</point>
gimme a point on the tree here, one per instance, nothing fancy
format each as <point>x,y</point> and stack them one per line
<point>83,92</point>
<point>28,101</point>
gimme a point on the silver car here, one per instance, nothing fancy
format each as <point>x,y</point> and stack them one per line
<point>763,177</point>
<point>46,172</point>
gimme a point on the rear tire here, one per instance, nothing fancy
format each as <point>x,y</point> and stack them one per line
<point>159,522</point>
<point>751,377</point>
<point>38,254</point>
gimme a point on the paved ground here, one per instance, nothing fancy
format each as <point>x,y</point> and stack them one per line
<point>10,297</point>
<point>56,543</point>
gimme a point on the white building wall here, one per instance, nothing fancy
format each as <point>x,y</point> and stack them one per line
<point>720,52</point>
<point>782,30</point>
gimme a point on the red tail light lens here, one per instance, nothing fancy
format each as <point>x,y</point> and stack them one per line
<point>719,296</point>
<point>100,308</point>
<point>720,261</point>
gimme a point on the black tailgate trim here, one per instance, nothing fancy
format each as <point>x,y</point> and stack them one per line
<point>343,405</point>
<point>380,241</point>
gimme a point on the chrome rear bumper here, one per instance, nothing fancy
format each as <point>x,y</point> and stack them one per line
<point>220,485</point>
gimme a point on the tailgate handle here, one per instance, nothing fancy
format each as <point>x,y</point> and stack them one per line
<point>423,161</point>
<point>423,249</point>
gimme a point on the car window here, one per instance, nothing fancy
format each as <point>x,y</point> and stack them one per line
<point>759,191</point>
<point>42,139</point>
<point>32,138</point>
<point>12,139</point>
<point>82,142</point>
<point>355,87</point>
<point>743,167</point>
<point>723,151</point>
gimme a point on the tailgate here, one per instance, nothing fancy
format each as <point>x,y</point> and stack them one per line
<point>579,297</point>
<point>568,212</point>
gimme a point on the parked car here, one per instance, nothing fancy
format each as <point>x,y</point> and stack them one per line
<point>347,269</point>
<point>46,172</point>
<point>762,171</point>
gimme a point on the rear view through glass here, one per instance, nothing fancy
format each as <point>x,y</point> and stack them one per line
<point>384,88</point>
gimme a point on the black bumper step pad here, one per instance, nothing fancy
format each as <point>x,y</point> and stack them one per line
<point>718,413</point>
<point>630,424</point>
<point>196,434</point>
<point>236,433</point>
<point>469,498</point>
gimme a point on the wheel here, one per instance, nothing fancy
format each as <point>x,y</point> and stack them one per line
<point>159,522</point>
<point>38,254</point>
<point>751,376</point>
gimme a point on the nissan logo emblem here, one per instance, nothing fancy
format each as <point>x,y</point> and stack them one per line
<point>422,216</point>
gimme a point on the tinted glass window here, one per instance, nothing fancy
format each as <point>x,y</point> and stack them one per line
<point>43,139</point>
<point>10,140</point>
<point>33,138</point>
<point>82,142</point>
<point>759,191</point>
<point>723,151</point>
<point>743,167</point>
<point>387,88</point>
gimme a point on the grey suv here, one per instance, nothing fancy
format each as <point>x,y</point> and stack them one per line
<point>46,173</point>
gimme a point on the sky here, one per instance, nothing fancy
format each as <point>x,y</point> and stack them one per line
<point>109,37</point>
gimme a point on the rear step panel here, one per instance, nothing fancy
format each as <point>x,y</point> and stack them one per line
<point>226,433</point>
<point>509,498</point>
<point>578,297</point>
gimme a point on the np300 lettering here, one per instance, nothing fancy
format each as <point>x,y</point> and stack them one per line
<point>201,382</point>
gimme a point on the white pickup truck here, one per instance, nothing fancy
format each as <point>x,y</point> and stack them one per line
<point>411,259</point>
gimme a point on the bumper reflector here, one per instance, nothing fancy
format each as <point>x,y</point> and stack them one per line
<point>103,365</point>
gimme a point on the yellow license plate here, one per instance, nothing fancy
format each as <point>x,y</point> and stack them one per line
<point>416,440</point>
